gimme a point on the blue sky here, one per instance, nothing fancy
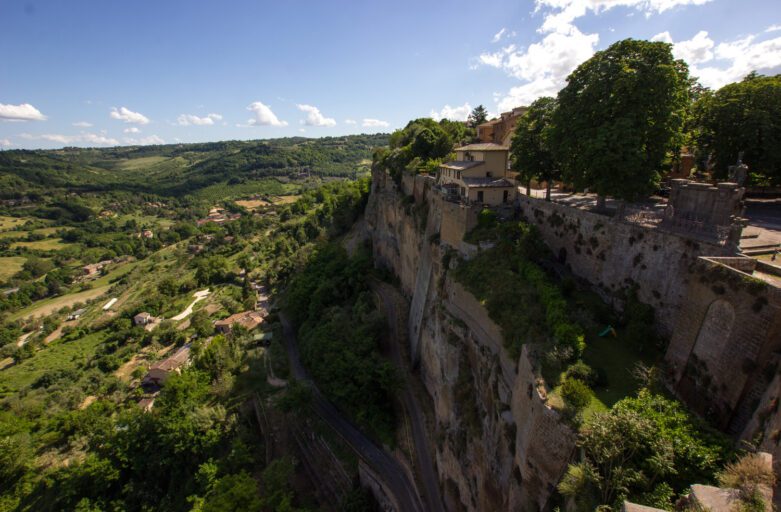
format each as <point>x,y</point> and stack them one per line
<point>98,73</point>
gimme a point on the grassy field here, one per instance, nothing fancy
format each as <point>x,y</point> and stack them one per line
<point>57,356</point>
<point>7,223</point>
<point>140,163</point>
<point>49,244</point>
<point>48,306</point>
<point>10,265</point>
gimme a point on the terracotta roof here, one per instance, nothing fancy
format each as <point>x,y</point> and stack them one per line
<point>487,183</point>
<point>460,165</point>
<point>248,319</point>
<point>483,146</point>
<point>173,362</point>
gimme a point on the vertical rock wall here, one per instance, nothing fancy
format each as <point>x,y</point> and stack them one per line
<point>498,445</point>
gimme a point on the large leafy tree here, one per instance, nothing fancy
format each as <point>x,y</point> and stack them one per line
<point>531,151</point>
<point>619,115</point>
<point>744,116</point>
<point>479,115</point>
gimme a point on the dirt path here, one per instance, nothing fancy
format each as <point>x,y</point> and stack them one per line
<point>23,338</point>
<point>56,333</point>
<point>199,296</point>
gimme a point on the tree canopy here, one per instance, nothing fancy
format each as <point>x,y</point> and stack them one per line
<point>478,116</point>
<point>619,114</point>
<point>531,150</point>
<point>744,116</point>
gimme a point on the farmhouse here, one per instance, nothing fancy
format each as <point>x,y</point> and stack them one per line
<point>160,371</point>
<point>248,320</point>
<point>143,318</point>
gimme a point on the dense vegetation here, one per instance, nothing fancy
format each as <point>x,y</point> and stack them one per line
<point>180,169</point>
<point>339,331</point>
<point>72,434</point>
<point>422,145</point>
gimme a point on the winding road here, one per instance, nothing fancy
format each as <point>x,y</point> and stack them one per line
<point>428,474</point>
<point>381,462</point>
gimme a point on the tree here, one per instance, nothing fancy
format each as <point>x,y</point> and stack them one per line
<point>744,116</point>
<point>531,152</point>
<point>478,116</point>
<point>619,115</point>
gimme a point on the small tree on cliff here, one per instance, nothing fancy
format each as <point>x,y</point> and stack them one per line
<point>478,116</point>
<point>532,156</point>
<point>618,116</point>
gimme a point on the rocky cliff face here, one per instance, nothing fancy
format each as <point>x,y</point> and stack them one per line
<point>499,446</point>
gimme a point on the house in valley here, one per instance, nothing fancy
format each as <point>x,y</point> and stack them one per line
<point>160,371</point>
<point>247,319</point>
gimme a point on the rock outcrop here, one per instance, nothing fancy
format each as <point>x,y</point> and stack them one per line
<point>498,444</point>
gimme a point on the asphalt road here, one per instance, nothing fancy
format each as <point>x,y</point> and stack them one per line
<point>425,465</point>
<point>383,464</point>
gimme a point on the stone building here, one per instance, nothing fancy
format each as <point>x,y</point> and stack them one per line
<point>500,130</point>
<point>478,175</point>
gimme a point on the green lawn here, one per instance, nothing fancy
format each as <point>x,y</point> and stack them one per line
<point>10,265</point>
<point>7,223</point>
<point>60,355</point>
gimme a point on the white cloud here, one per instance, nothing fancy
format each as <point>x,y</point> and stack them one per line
<point>23,112</point>
<point>314,117</point>
<point>132,129</point>
<point>728,61</point>
<point>128,116</point>
<point>543,65</point>
<point>263,116</point>
<point>82,124</point>
<point>453,113</point>
<point>144,141</point>
<point>84,138</point>
<point>502,34</point>
<point>6,143</point>
<point>773,28</point>
<point>350,121</point>
<point>564,12</point>
<point>188,119</point>
<point>374,123</point>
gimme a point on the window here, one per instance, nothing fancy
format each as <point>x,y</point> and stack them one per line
<point>480,196</point>
<point>489,175</point>
<point>505,196</point>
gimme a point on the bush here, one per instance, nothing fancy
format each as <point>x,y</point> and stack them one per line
<point>582,372</point>
<point>576,394</point>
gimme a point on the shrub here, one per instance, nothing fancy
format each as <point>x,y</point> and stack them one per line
<point>576,394</point>
<point>582,372</point>
<point>747,474</point>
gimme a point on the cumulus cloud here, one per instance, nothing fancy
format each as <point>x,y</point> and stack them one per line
<point>350,121</point>
<point>144,141</point>
<point>314,117</point>
<point>84,138</point>
<point>82,124</point>
<point>543,66</point>
<point>453,113</point>
<point>694,51</point>
<point>263,116</point>
<point>6,143</point>
<point>189,119</point>
<point>23,112</point>
<point>128,116</point>
<point>132,129</point>
<point>562,13</point>
<point>719,64</point>
<point>374,123</point>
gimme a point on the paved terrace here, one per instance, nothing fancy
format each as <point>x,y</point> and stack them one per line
<point>764,215</point>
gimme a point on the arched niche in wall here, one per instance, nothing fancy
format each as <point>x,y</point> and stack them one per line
<point>714,334</point>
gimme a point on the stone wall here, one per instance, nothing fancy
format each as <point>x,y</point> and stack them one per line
<point>614,256</point>
<point>726,345</point>
<point>498,445</point>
